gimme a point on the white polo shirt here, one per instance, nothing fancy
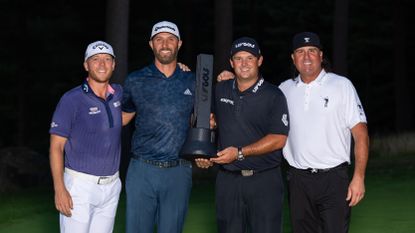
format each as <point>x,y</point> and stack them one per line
<point>322,113</point>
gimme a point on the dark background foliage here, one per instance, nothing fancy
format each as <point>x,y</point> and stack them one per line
<point>42,46</point>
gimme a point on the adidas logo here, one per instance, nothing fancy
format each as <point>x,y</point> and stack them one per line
<point>187,92</point>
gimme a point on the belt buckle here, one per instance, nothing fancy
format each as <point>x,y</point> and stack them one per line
<point>103,179</point>
<point>247,172</point>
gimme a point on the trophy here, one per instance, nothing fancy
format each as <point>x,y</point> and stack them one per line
<point>200,142</point>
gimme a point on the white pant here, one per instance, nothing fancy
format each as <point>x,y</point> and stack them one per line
<point>94,205</point>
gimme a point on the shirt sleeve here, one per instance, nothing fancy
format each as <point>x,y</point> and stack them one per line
<point>63,117</point>
<point>279,122</point>
<point>354,112</point>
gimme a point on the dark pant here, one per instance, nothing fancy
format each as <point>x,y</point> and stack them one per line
<point>318,200</point>
<point>157,195</point>
<point>249,203</point>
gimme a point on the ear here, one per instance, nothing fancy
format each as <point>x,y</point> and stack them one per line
<point>180,44</point>
<point>230,61</point>
<point>292,58</point>
<point>86,66</point>
<point>150,42</point>
<point>260,59</point>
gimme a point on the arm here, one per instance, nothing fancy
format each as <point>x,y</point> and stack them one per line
<point>356,189</point>
<point>267,144</point>
<point>127,117</point>
<point>63,200</point>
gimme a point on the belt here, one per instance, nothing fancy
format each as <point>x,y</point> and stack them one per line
<point>165,164</point>
<point>245,172</point>
<point>94,179</point>
<point>322,170</point>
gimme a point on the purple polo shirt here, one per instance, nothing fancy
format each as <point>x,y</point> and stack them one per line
<point>92,126</point>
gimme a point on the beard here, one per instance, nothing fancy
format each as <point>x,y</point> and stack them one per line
<point>166,59</point>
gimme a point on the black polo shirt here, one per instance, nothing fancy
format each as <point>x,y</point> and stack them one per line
<point>245,117</point>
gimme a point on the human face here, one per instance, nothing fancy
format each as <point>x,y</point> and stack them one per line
<point>165,47</point>
<point>100,67</point>
<point>308,60</point>
<point>246,65</point>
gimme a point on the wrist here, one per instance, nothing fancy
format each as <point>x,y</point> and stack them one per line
<point>240,155</point>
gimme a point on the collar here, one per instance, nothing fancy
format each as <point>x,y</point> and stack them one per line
<point>318,81</point>
<point>87,89</point>
<point>253,89</point>
<point>159,74</point>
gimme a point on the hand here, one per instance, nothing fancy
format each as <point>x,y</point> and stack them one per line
<point>63,202</point>
<point>356,191</point>
<point>203,163</point>
<point>212,121</point>
<point>227,155</point>
<point>225,75</point>
<point>183,66</point>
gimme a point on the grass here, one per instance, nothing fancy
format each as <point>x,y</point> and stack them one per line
<point>389,204</point>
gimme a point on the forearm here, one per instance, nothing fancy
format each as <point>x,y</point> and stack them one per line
<point>361,150</point>
<point>56,158</point>
<point>267,144</point>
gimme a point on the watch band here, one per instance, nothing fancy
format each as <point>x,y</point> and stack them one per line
<point>240,155</point>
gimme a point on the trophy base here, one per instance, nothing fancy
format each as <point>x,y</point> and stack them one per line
<point>199,144</point>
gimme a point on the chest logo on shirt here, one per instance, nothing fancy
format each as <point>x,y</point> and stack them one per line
<point>226,101</point>
<point>94,110</point>
<point>117,104</point>
<point>326,101</point>
<point>284,119</point>
<point>187,92</point>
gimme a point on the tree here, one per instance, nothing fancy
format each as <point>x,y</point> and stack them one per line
<point>223,34</point>
<point>340,36</point>
<point>117,20</point>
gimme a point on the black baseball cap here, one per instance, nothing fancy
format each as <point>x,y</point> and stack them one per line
<point>306,39</point>
<point>246,44</point>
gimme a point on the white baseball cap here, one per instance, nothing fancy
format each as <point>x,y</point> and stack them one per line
<point>165,26</point>
<point>98,47</point>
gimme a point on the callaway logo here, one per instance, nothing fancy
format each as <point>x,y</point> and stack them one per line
<point>260,82</point>
<point>117,104</point>
<point>226,101</point>
<point>94,110</point>
<point>100,46</point>
<point>53,125</point>
<point>284,119</point>
<point>245,44</point>
<point>306,39</point>
<point>187,92</point>
<point>165,26</point>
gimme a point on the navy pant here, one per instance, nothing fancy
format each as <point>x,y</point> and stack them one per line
<point>157,196</point>
<point>318,201</point>
<point>249,203</point>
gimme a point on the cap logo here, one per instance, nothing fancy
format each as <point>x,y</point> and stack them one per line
<point>165,26</point>
<point>245,44</point>
<point>100,46</point>
<point>306,39</point>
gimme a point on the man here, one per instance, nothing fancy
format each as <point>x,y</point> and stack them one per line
<point>252,119</point>
<point>324,112</point>
<point>160,96</point>
<point>85,147</point>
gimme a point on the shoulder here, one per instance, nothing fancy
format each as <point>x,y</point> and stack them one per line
<point>224,85</point>
<point>272,90</point>
<point>338,81</point>
<point>288,83</point>
<point>138,74</point>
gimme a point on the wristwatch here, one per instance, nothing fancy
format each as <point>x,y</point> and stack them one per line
<point>240,155</point>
